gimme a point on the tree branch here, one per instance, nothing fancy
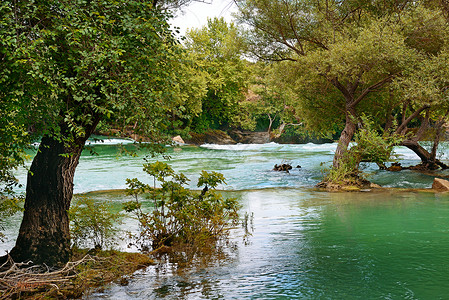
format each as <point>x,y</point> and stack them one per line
<point>372,88</point>
<point>342,89</point>
<point>411,117</point>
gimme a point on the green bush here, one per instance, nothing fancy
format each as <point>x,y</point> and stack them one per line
<point>179,215</point>
<point>93,224</point>
<point>371,144</point>
<point>8,207</point>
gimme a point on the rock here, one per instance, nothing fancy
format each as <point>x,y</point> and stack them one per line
<point>395,167</point>
<point>282,168</point>
<point>356,185</point>
<point>350,188</point>
<point>210,137</point>
<point>440,185</point>
<point>250,137</point>
<point>178,139</point>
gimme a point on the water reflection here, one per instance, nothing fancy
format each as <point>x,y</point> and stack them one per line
<point>306,244</point>
<point>314,245</point>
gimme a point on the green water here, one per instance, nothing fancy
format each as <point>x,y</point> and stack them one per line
<point>306,244</point>
<point>315,245</point>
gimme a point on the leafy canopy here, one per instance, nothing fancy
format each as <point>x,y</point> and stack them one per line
<point>217,50</point>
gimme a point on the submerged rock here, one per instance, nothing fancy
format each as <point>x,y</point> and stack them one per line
<point>282,168</point>
<point>440,185</point>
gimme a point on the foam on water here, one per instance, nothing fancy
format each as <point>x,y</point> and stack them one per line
<point>98,140</point>
<point>241,147</point>
<point>108,141</point>
<point>331,147</point>
<point>245,166</point>
<point>405,153</point>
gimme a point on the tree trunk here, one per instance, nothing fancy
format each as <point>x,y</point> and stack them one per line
<point>426,158</point>
<point>271,123</point>
<point>345,137</point>
<point>44,235</point>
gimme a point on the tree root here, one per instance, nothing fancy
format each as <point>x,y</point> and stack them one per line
<point>24,278</point>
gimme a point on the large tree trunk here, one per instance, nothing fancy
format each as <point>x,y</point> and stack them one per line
<point>44,235</point>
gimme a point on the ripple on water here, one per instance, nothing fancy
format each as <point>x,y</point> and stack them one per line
<point>305,244</point>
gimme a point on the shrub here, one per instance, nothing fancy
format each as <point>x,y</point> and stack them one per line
<point>179,215</point>
<point>8,207</point>
<point>371,144</point>
<point>92,223</point>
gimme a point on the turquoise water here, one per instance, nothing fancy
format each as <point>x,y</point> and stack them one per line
<point>314,245</point>
<point>306,244</point>
<point>244,166</point>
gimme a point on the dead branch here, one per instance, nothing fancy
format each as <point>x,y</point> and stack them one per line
<point>25,277</point>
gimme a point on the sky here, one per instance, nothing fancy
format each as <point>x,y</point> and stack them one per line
<point>195,15</point>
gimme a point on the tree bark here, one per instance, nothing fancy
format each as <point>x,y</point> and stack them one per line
<point>44,235</point>
<point>345,137</point>
<point>424,155</point>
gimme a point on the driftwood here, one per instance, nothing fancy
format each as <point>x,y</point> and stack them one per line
<point>20,278</point>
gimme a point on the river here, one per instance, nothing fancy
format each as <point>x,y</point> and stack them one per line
<point>305,244</point>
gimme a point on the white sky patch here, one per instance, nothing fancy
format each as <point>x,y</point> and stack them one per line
<point>195,15</point>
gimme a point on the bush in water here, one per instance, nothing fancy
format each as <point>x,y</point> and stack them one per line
<point>92,223</point>
<point>179,215</point>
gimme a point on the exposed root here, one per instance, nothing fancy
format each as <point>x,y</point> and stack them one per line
<point>23,278</point>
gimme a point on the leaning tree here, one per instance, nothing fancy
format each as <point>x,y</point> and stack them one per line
<point>351,48</point>
<point>342,56</point>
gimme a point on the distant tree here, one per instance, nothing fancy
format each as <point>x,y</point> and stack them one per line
<point>268,99</point>
<point>217,49</point>
<point>342,56</point>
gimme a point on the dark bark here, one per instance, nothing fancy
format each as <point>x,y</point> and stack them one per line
<point>436,140</point>
<point>427,160</point>
<point>44,236</point>
<point>405,122</point>
<point>423,154</point>
<point>423,127</point>
<point>44,233</point>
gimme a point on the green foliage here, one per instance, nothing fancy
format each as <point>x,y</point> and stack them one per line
<point>339,59</point>
<point>346,173</point>
<point>179,215</point>
<point>93,223</point>
<point>14,99</point>
<point>268,99</point>
<point>66,65</point>
<point>210,179</point>
<point>371,144</point>
<point>217,51</point>
<point>8,207</point>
